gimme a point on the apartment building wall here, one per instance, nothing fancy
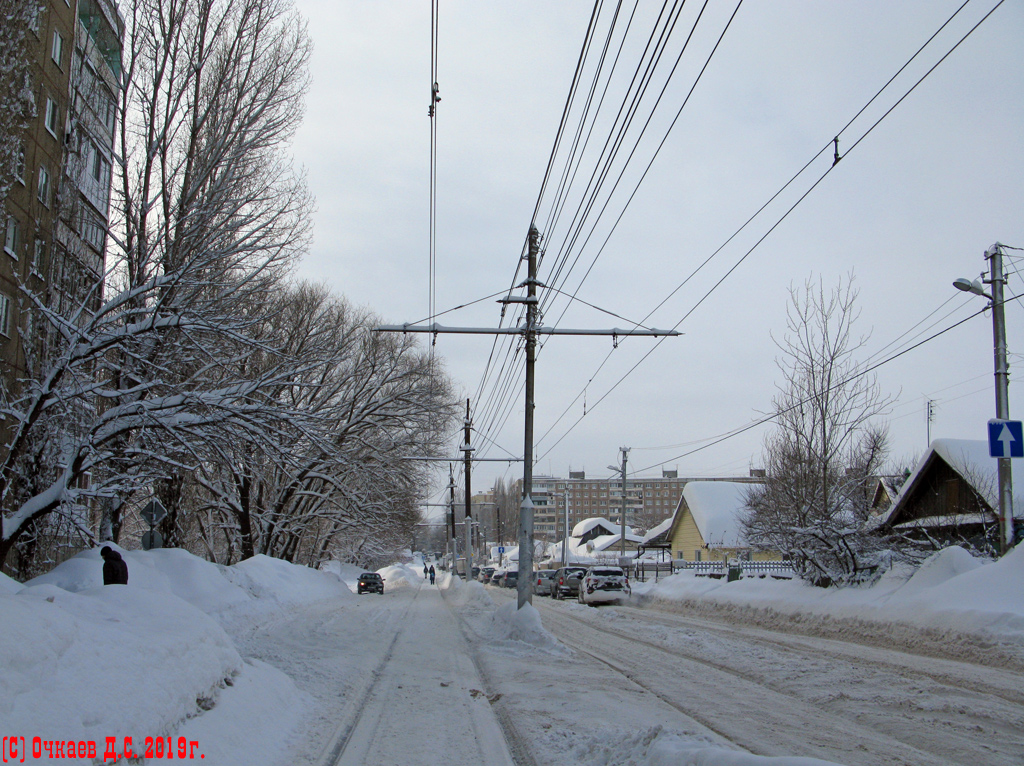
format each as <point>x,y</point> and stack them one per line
<point>55,219</point>
<point>29,212</point>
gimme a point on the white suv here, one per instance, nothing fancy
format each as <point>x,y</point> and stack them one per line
<point>604,585</point>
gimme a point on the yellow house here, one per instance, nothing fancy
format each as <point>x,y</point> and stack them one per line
<point>706,524</point>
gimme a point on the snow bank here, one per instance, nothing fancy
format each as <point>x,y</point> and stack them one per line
<point>402,576</point>
<point>509,623</point>
<point>271,579</point>
<point>347,573</point>
<point>951,593</point>
<point>8,584</point>
<point>83,661</point>
<point>108,661</point>
<point>472,595</point>
<point>656,747</point>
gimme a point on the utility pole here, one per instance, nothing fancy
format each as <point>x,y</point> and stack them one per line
<point>467,452</point>
<point>622,542</point>
<point>995,257</point>
<point>530,331</point>
<point>451,508</point>
<point>565,537</point>
<point>524,582</point>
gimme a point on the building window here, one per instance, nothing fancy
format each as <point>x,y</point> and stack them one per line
<point>37,253</point>
<point>5,315</point>
<point>52,116</point>
<point>57,49</point>
<point>11,237</point>
<point>44,185</point>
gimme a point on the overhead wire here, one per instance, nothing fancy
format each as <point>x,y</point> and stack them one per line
<point>791,208</point>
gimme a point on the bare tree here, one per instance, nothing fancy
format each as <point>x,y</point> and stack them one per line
<point>826,444</point>
<point>207,218</point>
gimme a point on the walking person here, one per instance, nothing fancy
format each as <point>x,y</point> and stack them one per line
<point>426,572</point>
<point>115,569</point>
<point>432,573</point>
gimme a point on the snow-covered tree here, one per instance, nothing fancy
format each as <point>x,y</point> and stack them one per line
<point>207,218</point>
<point>17,102</point>
<point>365,402</point>
<point>826,446</point>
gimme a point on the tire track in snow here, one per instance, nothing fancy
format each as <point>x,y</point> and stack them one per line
<point>336,745</point>
<point>742,709</point>
<point>517,743</point>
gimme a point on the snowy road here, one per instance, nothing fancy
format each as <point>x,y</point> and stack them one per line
<point>418,676</point>
<point>777,693</point>
<point>392,682</point>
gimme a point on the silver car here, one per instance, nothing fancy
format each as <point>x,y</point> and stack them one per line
<point>544,582</point>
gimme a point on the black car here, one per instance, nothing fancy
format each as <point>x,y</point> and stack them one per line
<point>370,582</point>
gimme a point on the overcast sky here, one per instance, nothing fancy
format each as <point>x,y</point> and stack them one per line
<point>913,206</point>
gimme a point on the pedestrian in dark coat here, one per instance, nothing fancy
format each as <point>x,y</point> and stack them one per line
<point>425,571</point>
<point>115,569</point>
<point>432,573</point>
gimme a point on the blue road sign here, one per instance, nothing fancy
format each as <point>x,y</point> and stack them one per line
<point>501,549</point>
<point>1005,438</point>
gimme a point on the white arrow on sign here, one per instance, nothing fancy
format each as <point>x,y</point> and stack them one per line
<point>1007,440</point>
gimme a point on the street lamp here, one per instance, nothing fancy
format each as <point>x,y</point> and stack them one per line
<point>994,256</point>
<point>622,520</point>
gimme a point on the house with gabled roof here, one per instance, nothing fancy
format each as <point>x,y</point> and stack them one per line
<point>950,496</point>
<point>706,524</point>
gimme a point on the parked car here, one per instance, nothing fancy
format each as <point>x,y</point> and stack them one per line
<point>510,579</point>
<point>544,582</point>
<point>370,582</point>
<point>604,585</point>
<point>485,574</point>
<point>567,581</point>
<point>476,572</point>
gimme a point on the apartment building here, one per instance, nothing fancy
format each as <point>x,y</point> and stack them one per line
<point>55,218</point>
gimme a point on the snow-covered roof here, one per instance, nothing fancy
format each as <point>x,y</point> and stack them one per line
<point>604,542</point>
<point>715,507</point>
<point>970,459</point>
<point>586,525</point>
<point>661,529</point>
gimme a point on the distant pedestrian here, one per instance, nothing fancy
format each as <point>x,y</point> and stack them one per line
<point>426,572</point>
<point>115,569</point>
<point>432,573</point>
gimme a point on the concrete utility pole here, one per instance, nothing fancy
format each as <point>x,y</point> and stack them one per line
<point>451,507</point>
<point>1002,375</point>
<point>530,331</point>
<point>467,453</point>
<point>565,537</point>
<point>622,542</point>
<point>524,582</point>
<point>995,257</point>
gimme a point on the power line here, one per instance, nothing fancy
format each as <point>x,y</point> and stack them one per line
<point>788,211</point>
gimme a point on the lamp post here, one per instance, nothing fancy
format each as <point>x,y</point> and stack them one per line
<point>994,256</point>
<point>622,521</point>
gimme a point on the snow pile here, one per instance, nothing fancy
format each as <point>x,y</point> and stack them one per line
<point>83,661</point>
<point>472,595</point>
<point>509,623</point>
<point>275,580</point>
<point>952,592</point>
<point>402,576</point>
<point>656,747</point>
<point>347,573</point>
<point>8,584</point>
